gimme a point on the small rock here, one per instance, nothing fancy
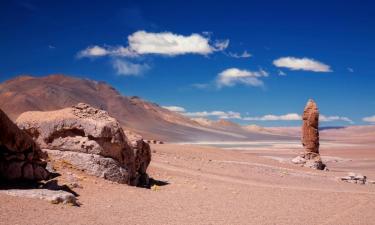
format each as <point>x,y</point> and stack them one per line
<point>298,160</point>
<point>345,178</point>
<point>360,177</point>
<point>50,168</point>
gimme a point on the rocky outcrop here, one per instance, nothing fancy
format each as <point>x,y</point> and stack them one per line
<point>90,140</point>
<point>310,138</point>
<point>20,156</point>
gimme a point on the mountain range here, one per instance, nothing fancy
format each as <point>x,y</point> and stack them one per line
<point>57,91</point>
<point>29,93</point>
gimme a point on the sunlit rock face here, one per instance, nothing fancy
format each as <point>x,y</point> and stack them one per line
<point>91,140</point>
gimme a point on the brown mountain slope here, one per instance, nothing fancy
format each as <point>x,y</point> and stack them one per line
<point>27,93</point>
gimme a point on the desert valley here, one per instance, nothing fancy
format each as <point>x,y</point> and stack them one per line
<point>200,171</point>
<point>187,112</point>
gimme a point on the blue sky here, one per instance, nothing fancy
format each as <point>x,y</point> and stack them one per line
<point>255,62</point>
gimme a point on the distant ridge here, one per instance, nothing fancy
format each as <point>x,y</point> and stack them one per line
<point>28,93</point>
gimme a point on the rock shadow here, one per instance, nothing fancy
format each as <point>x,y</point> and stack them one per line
<point>24,185</point>
<point>153,182</point>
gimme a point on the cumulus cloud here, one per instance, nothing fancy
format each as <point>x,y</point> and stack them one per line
<point>126,68</point>
<point>175,108</point>
<point>164,43</point>
<point>93,51</point>
<point>302,64</point>
<point>370,119</point>
<point>244,54</point>
<point>219,114</point>
<point>233,76</point>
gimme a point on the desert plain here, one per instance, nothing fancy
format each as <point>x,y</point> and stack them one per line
<point>207,185</point>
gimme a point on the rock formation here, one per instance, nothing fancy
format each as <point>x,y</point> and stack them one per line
<point>310,128</point>
<point>90,140</point>
<point>310,138</point>
<point>20,156</point>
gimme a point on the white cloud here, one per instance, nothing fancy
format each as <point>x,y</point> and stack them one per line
<point>167,43</point>
<point>350,69</point>
<point>268,117</point>
<point>287,117</point>
<point>281,73</point>
<point>164,43</point>
<point>219,114</point>
<point>233,76</point>
<point>126,68</point>
<point>93,51</point>
<point>370,119</point>
<point>296,117</point>
<point>220,45</point>
<point>175,108</point>
<point>97,51</point>
<point>302,64</point>
<point>324,118</point>
<point>244,54</point>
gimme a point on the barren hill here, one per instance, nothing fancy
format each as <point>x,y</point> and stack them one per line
<point>28,93</point>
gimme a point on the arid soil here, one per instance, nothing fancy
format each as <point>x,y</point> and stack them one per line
<point>207,185</point>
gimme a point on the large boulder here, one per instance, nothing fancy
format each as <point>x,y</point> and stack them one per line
<point>89,139</point>
<point>20,156</point>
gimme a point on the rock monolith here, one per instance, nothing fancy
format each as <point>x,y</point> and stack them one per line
<point>310,128</point>
<point>310,157</point>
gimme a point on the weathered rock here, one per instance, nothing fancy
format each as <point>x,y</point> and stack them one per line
<point>310,132</point>
<point>355,178</point>
<point>142,151</point>
<point>80,128</point>
<point>95,165</point>
<point>298,160</point>
<point>20,156</point>
<point>315,163</point>
<point>310,138</point>
<point>51,196</point>
<point>92,136</point>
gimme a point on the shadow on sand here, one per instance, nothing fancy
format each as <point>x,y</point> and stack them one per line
<point>153,182</point>
<point>24,184</point>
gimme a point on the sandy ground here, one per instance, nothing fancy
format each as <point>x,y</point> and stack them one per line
<point>207,185</point>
